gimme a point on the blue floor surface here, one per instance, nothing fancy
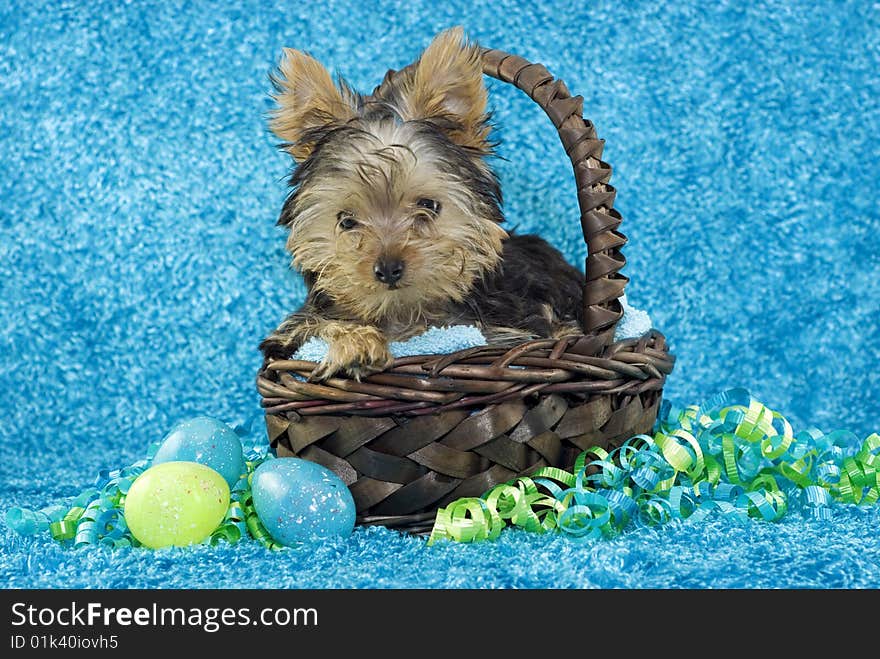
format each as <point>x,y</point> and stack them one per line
<point>140,264</point>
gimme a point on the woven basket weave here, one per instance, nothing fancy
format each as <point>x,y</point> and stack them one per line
<point>431,429</point>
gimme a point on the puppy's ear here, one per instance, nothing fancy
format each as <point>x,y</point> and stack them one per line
<point>446,84</point>
<point>307,102</point>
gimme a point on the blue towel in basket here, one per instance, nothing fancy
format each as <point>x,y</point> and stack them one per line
<point>444,340</point>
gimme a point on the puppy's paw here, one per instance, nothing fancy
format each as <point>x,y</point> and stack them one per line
<point>356,350</point>
<point>570,328</point>
<point>274,348</point>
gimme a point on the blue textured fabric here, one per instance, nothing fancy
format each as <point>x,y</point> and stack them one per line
<point>140,264</point>
<point>441,340</point>
<point>435,340</point>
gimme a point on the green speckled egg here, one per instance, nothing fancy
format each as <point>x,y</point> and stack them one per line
<point>176,504</point>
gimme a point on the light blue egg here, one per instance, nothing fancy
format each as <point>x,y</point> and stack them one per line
<point>205,440</point>
<point>300,501</point>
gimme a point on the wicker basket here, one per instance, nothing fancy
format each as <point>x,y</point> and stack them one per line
<point>431,429</point>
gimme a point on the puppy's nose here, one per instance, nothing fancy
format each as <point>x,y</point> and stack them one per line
<point>388,272</point>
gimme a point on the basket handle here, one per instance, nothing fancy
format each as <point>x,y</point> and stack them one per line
<point>603,283</point>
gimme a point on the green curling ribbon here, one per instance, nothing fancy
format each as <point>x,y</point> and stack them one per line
<point>252,521</point>
<point>233,527</point>
<point>731,455</point>
<point>65,529</point>
<point>467,520</point>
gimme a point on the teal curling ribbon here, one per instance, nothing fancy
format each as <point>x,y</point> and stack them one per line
<point>28,522</point>
<point>731,455</point>
<point>96,515</point>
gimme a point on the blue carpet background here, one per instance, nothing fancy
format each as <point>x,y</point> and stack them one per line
<point>140,263</point>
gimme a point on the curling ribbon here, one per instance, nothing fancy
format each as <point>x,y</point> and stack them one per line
<point>96,515</point>
<point>730,455</point>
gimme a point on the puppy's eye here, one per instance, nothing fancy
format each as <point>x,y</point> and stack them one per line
<point>429,204</point>
<point>346,220</point>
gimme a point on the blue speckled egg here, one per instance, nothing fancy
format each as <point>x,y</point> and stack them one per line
<point>208,441</point>
<point>301,501</point>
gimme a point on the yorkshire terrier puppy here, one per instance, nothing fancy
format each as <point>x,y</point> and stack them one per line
<point>395,216</point>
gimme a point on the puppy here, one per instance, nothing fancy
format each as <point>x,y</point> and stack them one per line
<point>395,218</point>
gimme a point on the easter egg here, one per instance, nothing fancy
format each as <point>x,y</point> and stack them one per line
<point>205,440</point>
<point>301,501</point>
<point>176,504</point>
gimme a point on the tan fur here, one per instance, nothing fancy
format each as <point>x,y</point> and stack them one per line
<point>443,255</point>
<point>506,336</point>
<point>572,328</point>
<point>448,81</point>
<point>358,349</point>
<point>306,98</point>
